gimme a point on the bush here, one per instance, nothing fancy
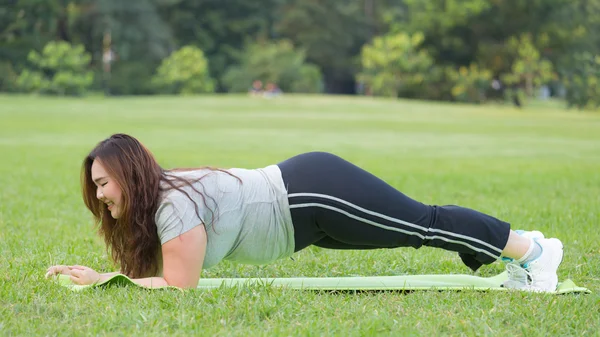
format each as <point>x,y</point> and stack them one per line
<point>275,62</point>
<point>59,70</point>
<point>184,72</point>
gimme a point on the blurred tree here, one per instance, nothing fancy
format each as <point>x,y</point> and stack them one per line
<point>184,72</point>
<point>459,32</point>
<point>220,28</point>
<point>469,84</point>
<point>29,24</point>
<point>60,69</point>
<point>584,37</point>
<point>528,70</point>
<point>137,30</point>
<point>275,62</point>
<point>332,32</point>
<point>554,27</point>
<point>583,81</point>
<point>139,40</point>
<point>449,36</point>
<point>392,62</point>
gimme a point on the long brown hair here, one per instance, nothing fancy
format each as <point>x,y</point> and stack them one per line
<point>132,239</point>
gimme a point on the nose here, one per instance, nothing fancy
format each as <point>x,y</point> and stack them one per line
<point>99,194</point>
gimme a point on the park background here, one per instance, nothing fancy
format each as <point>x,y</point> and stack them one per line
<point>487,104</point>
<point>468,51</point>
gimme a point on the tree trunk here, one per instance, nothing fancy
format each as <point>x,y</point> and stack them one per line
<point>529,84</point>
<point>62,29</point>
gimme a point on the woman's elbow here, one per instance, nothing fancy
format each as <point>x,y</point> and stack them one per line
<point>183,284</point>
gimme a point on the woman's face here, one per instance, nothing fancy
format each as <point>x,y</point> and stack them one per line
<point>107,189</point>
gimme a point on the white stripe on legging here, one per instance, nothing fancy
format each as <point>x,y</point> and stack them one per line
<point>383,216</point>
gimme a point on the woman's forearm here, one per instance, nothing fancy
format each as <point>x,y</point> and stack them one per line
<point>106,276</point>
<point>149,282</point>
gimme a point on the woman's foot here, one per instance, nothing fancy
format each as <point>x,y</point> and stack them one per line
<point>539,275</point>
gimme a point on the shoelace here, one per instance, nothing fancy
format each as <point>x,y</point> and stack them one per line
<point>517,273</point>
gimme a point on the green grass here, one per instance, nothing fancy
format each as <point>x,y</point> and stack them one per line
<point>536,168</point>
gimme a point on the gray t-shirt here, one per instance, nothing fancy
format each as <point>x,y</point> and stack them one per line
<point>252,220</point>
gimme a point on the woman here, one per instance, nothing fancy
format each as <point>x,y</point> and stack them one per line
<point>164,226</point>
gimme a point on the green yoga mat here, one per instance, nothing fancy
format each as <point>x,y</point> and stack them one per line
<point>398,283</point>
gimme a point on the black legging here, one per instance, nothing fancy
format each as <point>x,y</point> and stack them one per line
<point>335,204</point>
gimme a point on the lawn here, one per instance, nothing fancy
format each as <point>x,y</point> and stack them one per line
<point>537,168</point>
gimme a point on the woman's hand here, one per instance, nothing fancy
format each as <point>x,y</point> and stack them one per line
<point>56,270</point>
<point>83,275</point>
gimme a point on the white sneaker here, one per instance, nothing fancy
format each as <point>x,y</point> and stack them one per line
<point>517,275</point>
<point>542,271</point>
